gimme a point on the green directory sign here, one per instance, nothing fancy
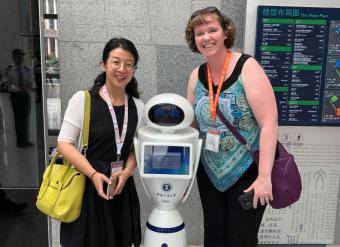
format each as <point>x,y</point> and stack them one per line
<point>299,48</point>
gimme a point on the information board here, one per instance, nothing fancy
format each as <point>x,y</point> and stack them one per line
<point>298,42</point>
<point>299,48</point>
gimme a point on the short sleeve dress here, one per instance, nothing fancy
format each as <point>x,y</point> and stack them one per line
<point>113,223</point>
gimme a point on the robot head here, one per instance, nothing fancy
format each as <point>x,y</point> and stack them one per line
<point>168,112</point>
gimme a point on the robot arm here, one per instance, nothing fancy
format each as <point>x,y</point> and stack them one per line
<point>137,153</point>
<point>197,159</point>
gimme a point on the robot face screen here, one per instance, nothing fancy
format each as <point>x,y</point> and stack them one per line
<point>166,114</point>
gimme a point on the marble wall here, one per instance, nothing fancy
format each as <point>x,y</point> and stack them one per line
<point>157,29</point>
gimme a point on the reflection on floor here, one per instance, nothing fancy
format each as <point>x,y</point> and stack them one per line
<point>18,166</point>
<point>27,228</point>
<point>21,224</point>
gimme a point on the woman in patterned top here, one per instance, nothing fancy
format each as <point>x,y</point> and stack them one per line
<point>237,85</point>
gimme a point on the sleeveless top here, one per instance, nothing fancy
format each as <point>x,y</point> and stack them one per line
<point>113,223</point>
<point>229,164</point>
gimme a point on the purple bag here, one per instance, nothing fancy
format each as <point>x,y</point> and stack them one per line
<point>286,179</point>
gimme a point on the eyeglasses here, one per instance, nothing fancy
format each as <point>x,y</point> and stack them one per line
<point>117,64</point>
<point>210,9</point>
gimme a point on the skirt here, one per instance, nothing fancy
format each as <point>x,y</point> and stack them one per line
<point>102,223</point>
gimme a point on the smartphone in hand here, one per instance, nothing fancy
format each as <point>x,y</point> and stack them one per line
<point>111,187</point>
<point>246,200</point>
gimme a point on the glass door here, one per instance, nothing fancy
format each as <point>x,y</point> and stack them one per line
<point>22,138</point>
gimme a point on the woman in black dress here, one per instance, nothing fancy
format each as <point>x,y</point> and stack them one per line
<point>116,112</point>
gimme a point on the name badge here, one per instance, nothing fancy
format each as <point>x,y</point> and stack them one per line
<point>212,142</point>
<point>116,166</point>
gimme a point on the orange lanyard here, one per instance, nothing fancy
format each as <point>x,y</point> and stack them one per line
<point>214,101</point>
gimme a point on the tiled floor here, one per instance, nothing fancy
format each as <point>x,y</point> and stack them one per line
<point>25,228</point>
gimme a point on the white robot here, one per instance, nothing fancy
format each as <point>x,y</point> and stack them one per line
<point>167,151</point>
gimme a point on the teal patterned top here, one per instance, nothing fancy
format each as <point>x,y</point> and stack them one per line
<point>227,166</point>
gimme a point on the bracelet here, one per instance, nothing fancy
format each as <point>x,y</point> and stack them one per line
<point>93,175</point>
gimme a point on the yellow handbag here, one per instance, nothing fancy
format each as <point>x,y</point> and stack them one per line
<point>61,192</point>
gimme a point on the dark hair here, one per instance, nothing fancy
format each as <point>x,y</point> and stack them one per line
<point>200,18</point>
<point>132,87</point>
<point>17,52</point>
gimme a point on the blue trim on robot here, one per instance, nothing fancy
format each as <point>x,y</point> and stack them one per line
<point>165,230</point>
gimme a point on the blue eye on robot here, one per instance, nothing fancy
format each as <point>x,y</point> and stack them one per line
<point>166,114</point>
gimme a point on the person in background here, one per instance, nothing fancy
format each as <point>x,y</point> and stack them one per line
<point>116,113</point>
<point>7,206</point>
<point>20,81</point>
<point>238,86</point>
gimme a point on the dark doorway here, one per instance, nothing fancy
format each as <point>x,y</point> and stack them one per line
<point>22,145</point>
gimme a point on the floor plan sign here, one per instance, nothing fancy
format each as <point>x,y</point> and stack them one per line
<point>298,45</point>
<point>299,48</point>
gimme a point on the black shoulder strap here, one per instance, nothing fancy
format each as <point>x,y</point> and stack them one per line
<point>238,68</point>
<point>202,71</point>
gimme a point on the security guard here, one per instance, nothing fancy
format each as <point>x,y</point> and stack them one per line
<point>20,81</point>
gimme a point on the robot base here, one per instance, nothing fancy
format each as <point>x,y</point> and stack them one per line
<point>165,228</point>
